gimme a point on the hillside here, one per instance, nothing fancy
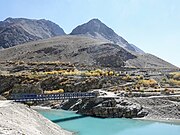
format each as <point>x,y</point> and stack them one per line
<point>149,61</point>
<point>14,31</point>
<point>74,49</point>
<point>80,50</point>
<point>96,29</point>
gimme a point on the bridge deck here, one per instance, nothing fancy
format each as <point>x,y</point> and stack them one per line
<point>44,97</point>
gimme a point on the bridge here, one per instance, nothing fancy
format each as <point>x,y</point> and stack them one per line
<point>44,97</point>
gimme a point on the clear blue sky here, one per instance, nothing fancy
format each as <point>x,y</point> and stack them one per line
<point>152,25</point>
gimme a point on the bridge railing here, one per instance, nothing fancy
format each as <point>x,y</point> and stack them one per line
<point>43,97</point>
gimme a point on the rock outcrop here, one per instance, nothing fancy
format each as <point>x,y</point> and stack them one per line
<point>110,107</point>
<point>18,84</point>
<point>27,84</point>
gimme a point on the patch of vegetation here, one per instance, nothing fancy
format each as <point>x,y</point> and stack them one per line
<point>174,79</point>
<point>174,82</point>
<point>167,91</point>
<point>53,91</point>
<point>127,78</point>
<point>97,72</point>
<point>148,83</point>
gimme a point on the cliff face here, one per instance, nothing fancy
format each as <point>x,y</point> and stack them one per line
<point>14,31</point>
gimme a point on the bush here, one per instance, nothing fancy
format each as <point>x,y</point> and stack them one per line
<point>54,91</point>
<point>167,91</point>
<point>127,78</point>
<point>148,83</point>
<point>177,77</point>
<point>174,82</point>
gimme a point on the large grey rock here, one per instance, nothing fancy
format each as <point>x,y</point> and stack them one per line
<point>114,108</point>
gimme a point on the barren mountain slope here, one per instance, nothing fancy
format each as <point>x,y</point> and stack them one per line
<point>74,49</point>
<point>14,31</point>
<point>149,61</point>
<point>81,50</point>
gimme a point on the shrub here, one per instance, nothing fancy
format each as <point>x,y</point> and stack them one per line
<point>174,82</point>
<point>176,76</point>
<point>127,78</point>
<point>167,91</point>
<point>148,83</point>
<point>53,91</point>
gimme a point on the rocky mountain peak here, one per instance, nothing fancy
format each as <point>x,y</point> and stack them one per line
<point>14,31</point>
<point>95,20</point>
<point>97,29</point>
<point>93,27</point>
<point>9,19</point>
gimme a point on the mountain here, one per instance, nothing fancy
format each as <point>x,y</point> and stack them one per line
<point>136,49</point>
<point>95,28</point>
<point>80,50</point>
<point>74,49</point>
<point>149,61</point>
<point>92,43</point>
<point>15,31</point>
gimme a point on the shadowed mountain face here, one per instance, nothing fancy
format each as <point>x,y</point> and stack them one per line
<point>14,31</point>
<point>95,28</point>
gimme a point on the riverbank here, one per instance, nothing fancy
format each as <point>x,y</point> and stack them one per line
<point>160,109</point>
<point>163,120</point>
<point>17,119</point>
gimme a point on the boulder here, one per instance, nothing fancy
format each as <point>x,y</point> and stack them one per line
<point>114,108</point>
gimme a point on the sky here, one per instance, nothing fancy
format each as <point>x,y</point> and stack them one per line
<point>152,25</point>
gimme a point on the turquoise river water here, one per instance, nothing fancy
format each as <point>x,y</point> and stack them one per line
<point>83,125</point>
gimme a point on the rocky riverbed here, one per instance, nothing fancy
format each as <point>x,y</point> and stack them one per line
<point>17,119</point>
<point>165,108</point>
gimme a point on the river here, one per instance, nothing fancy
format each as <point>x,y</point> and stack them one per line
<point>83,125</point>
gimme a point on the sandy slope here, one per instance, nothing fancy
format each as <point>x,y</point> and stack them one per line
<point>17,119</point>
